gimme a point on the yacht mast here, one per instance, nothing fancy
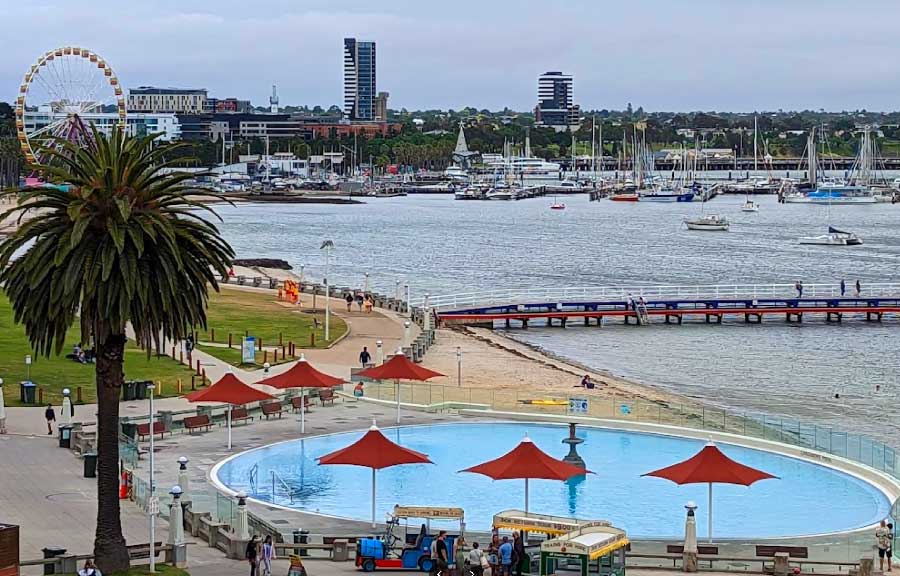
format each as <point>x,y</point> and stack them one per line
<point>755,133</point>
<point>813,161</point>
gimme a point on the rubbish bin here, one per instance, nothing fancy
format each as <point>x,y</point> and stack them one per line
<point>52,552</point>
<point>65,436</point>
<point>129,429</point>
<point>128,390</point>
<point>140,389</point>
<point>26,392</point>
<point>90,464</point>
<point>341,550</point>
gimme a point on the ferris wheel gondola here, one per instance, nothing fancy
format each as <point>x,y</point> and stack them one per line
<point>60,94</point>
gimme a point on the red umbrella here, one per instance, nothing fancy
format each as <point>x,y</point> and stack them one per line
<point>708,466</point>
<point>301,375</point>
<point>527,461</point>
<point>374,451</point>
<point>398,368</point>
<point>231,390</point>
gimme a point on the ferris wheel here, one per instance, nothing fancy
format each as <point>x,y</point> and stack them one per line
<point>67,89</point>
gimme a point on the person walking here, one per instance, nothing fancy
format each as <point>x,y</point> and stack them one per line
<point>460,557</point>
<point>370,303</point>
<point>349,299</point>
<point>364,356</point>
<point>506,557</point>
<point>50,415</point>
<point>883,543</point>
<point>359,300</point>
<point>798,286</point>
<point>268,554</point>
<point>477,561</point>
<point>520,557</point>
<point>442,558</point>
<point>843,287</point>
<point>89,569</point>
<point>858,287</point>
<point>252,555</point>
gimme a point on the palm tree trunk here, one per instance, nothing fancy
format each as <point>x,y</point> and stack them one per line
<point>110,552</point>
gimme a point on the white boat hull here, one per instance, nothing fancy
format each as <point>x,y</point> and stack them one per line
<point>831,240</point>
<point>707,227</point>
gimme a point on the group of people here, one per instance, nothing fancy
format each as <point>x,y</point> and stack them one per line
<point>503,557</point>
<point>798,286</point>
<point>884,540</point>
<point>362,301</point>
<point>79,354</point>
<point>260,555</point>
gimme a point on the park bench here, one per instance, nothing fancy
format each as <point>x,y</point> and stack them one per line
<point>138,551</point>
<point>143,430</point>
<point>791,551</point>
<point>192,423</point>
<point>240,415</point>
<point>296,400</point>
<point>326,395</point>
<point>701,549</point>
<point>272,409</point>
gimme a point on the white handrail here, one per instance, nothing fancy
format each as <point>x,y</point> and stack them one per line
<point>511,296</point>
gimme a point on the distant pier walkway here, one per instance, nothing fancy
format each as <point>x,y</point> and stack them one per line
<point>644,305</point>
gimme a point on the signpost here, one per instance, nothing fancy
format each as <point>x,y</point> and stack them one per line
<point>578,406</point>
<point>248,350</point>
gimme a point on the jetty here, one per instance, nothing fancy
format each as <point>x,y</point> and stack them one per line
<point>646,305</point>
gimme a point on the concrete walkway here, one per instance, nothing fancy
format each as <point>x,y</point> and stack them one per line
<point>364,330</point>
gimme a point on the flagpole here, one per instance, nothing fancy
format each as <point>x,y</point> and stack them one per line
<point>709,515</point>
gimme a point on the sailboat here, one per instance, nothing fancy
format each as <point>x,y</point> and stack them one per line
<point>749,205</point>
<point>834,237</point>
<point>707,223</point>
<point>557,205</point>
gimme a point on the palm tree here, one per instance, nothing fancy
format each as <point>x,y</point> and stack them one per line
<point>123,246</point>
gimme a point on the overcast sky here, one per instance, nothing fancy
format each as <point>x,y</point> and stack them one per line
<point>738,55</point>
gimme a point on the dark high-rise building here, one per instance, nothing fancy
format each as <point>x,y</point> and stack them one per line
<point>359,79</point>
<point>556,107</point>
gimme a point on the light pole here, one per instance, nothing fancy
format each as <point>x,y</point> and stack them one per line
<point>379,352</point>
<point>2,410</point>
<point>28,367</point>
<point>458,367</point>
<point>408,306</point>
<point>405,335</point>
<point>366,289</point>
<point>327,247</point>
<point>152,504</point>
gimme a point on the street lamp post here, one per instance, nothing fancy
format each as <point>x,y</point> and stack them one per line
<point>458,367</point>
<point>28,367</point>
<point>152,504</point>
<point>379,352</point>
<point>405,334</point>
<point>327,247</point>
<point>366,289</point>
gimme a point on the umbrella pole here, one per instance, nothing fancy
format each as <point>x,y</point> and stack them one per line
<point>303,410</point>
<point>228,418</point>
<point>373,498</point>
<point>709,515</point>
<point>397,382</point>
<point>526,496</point>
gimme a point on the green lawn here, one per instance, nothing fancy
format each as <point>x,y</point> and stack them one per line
<point>144,570</point>
<point>260,314</point>
<point>57,372</point>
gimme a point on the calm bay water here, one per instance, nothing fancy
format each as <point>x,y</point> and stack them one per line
<point>443,246</point>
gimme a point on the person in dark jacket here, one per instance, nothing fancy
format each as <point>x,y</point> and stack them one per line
<point>252,554</point>
<point>50,415</point>
<point>520,557</point>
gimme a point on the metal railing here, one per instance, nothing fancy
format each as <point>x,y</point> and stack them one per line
<point>560,295</point>
<point>856,447</point>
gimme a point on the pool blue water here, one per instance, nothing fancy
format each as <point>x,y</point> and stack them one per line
<point>806,499</point>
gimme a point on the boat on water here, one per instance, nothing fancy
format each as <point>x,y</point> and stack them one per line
<point>667,195</point>
<point>557,206</point>
<point>834,237</point>
<point>625,197</point>
<point>708,223</point>
<point>500,194</point>
<point>749,206</point>
<point>837,193</point>
<point>567,186</point>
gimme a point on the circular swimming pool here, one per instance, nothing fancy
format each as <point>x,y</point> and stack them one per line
<point>806,499</point>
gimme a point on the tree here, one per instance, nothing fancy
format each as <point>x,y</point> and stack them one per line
<point>123,247</point>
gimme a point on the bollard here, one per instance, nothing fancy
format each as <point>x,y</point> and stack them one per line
<point>312,339</point>
<point>173,351</point>
<point>260,343</point>
<point>40,397</point>
<point>198,366</point>
<point>193,383</point>
<point>78,394</point>
<point>181,357</point>
<point>229,339</point>
<point>275,353</point>
<point>281,338</point>
<point>179,386</point>
<point>203,377</point>
<point>246,333</point>
<point>265,356</point>
<point>282,352</point>
<point>212,334</point>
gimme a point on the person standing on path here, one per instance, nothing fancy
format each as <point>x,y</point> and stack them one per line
<point>442,558</point>
<point>349,299</point>
<point>252,554</point>
<point>843,287</point>
<point>50,415</point>
<point>460,558</point>
<point>364,356</point>
<point>506,557</point>
<point>476,560</point>
<point>520,557</point>
<point>268,554</point>
<point>858,287</point>
<point>799,287</point>
<point>883,543</point>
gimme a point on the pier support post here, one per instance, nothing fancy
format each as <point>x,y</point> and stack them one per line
<point>562,322</point>
<point>524,323</point>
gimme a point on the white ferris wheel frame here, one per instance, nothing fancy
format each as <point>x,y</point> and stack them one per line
<point>106,78</point>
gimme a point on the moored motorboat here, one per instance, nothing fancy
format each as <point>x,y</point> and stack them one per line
<point>626,197</point>
<point>750,206</point>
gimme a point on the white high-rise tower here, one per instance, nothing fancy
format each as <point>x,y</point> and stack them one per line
<point>273,100</point>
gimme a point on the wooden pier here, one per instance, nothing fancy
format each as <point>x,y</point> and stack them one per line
<point>672,305</point>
